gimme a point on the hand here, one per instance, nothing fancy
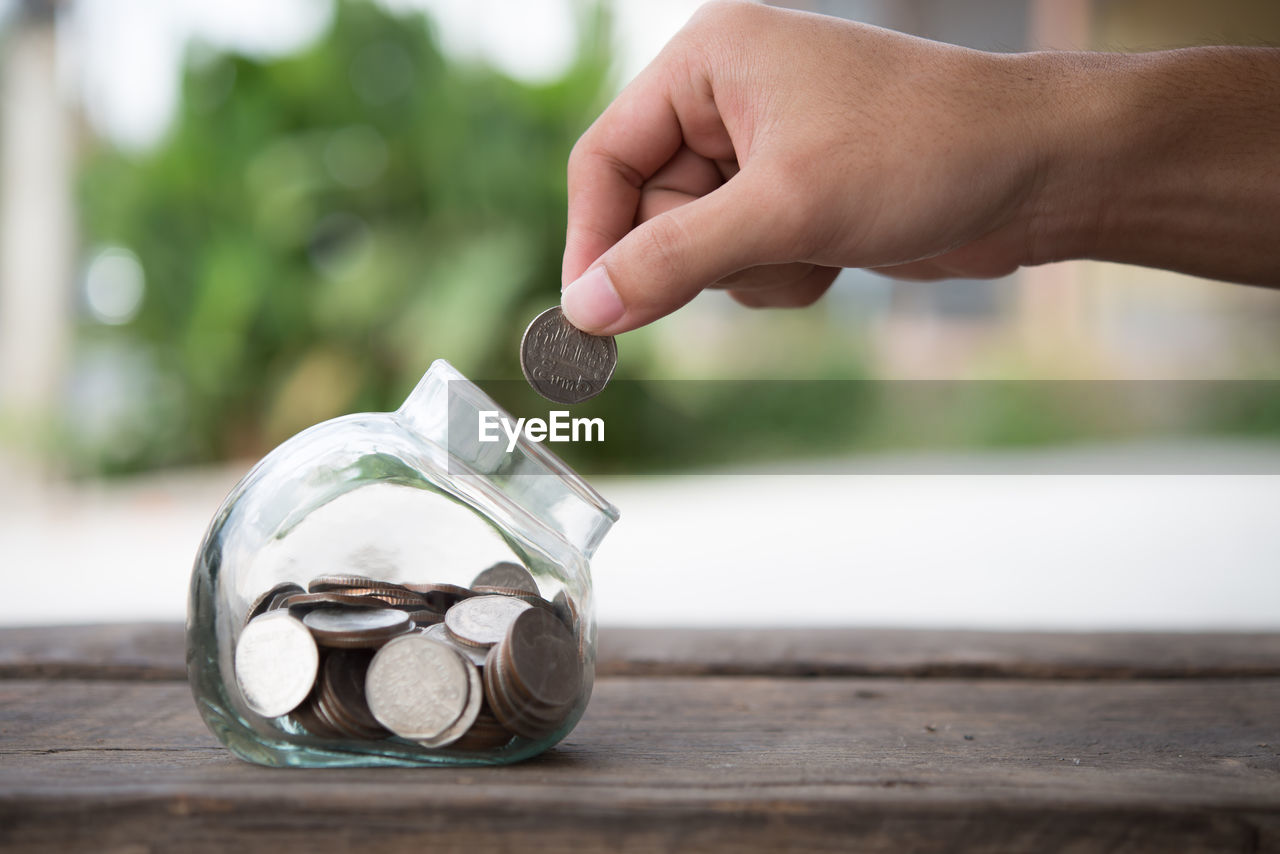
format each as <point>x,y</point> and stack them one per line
<point>764,149</point>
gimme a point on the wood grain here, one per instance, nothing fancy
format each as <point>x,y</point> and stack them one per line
<point>677,764</point>
<point>155,652</point>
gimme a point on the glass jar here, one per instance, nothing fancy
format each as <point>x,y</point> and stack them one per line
<point>411,497</point>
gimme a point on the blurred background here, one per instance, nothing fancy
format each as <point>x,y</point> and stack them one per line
<point>223,222</point>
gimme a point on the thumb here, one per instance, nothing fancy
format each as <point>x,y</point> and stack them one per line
<point>663,263</point>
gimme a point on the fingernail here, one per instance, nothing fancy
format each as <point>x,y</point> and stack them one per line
<point>590,302</point>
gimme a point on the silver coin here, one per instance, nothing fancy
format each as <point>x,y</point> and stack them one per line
<point>439,632</point>
<point>563,363</point>
<point>417,688</point>
<point>482,621</point>
<point>356,627</point>
<point>507,574</point>
<point>475,697</point>
<point>276,662</point>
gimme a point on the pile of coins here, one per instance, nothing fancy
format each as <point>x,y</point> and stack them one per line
<point>469,667</point>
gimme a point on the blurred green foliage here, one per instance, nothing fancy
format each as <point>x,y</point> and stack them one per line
<point>316,229</point>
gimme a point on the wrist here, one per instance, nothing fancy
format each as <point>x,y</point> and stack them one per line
<point>1080,141</point>
<point>1160,159</point>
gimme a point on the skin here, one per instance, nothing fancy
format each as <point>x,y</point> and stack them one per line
<point>765,149</point>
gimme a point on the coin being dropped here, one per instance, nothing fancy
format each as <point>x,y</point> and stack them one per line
<point>563,363</point>
<point>276,662</point>
<point>417,688</point>
<point>483,620</point>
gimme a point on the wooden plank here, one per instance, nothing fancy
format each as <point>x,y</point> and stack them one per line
<point>932,653</point>
<point>155,651</point>
<point>663,764</point>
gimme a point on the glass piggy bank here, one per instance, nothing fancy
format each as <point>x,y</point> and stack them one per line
<point>389,589</point>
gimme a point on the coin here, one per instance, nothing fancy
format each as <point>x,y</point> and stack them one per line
<point>417,687</point>
<point>483,620</point>
<point>475,697</point>
<point>338,583</point>
<point>308,715</point>
<point>541,659</point>
<point>425,617</point>
<point>487,733</point>
<point>440,597</point>
<point>300,604</point>
<point>515,713</point>
<point>565,610</point>
<point>356,627</point>
<point>563,363</point>
<point>440,632</point>
<point>341,694</point>
<point>264,602</point>
<point>507,574</point>
<point>275,663</point>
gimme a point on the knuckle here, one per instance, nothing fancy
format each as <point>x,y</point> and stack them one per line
<point>718,12</point>
<point>663,248</point>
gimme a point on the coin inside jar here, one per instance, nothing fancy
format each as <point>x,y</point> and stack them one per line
<point>439,632</point>
<point>356,627</point>
<point>267,600</point>
<point>475,697</point>
<point>483,620</point>
<point>508,575</point>
<point>563,363</point>
<point>542,659</point>
<point>275,663</point>
<point>341,693</point>
<point>417,688</point>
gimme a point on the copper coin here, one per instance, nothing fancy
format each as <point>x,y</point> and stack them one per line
<point>338,583</point>
<point>356,627</point>
<point>506,574</point>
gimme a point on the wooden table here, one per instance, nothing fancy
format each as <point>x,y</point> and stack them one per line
<point>694,741</point>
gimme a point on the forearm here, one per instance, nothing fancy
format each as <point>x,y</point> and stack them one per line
<point>1168,159</point>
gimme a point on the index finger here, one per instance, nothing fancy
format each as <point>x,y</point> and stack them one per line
<point>630,141</point>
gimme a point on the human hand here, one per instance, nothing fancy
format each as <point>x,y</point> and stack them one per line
<point>764,149</point>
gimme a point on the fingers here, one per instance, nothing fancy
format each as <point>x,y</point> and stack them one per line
<point>662,263</point>
<point>765,277</point>
<point>669,105</point>
<point>915,271</point>
<point>685,177</point>
<point>798,294</point>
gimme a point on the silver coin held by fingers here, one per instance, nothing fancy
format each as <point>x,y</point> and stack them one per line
<point>563,363</point>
